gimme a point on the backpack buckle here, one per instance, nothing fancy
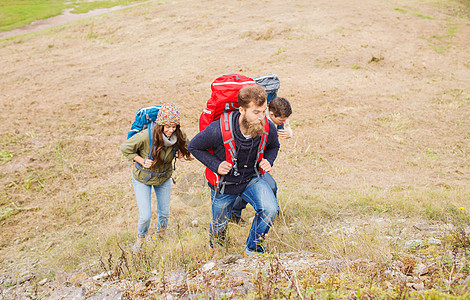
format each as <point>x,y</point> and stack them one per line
<point>235,168</point>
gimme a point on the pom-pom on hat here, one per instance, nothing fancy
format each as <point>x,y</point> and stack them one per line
<point>168,115</point>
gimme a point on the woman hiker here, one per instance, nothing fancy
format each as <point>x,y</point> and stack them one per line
<point>155,170</point>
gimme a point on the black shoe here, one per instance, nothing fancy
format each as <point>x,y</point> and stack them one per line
<point>237,220</point>
<point>220,239</point>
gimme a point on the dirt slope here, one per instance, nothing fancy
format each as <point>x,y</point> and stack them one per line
<point>380,92</point>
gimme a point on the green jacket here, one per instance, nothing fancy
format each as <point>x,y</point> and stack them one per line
<point>139,144</point>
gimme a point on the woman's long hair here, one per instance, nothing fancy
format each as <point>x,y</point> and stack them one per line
<point>158,144</point>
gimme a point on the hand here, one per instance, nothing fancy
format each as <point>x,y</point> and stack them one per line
<point>224,168</point>
<point>179,154</point>
<point>265,165</point>
<point>147,163</point>
<point>282,133</point>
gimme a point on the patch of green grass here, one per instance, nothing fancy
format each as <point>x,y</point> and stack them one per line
<point>5,156</point>
<point>440,43</point>
<point>18,13</point>
<point>401,10</point>
<point>280,50</point>
<point>452,29</point>
<point>425,17</point>
<point>85,6</point>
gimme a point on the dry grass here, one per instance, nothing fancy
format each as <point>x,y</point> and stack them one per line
<point>387,141</point>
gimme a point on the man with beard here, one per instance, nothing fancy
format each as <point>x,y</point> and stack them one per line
<point>279,110</point>
<point>242,178</point>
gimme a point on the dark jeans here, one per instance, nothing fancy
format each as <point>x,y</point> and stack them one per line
<point>260,195</point>
<point>240,204</point>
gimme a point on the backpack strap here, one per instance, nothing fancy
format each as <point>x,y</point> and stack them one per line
<point>231,152</point>
<point>227,136</point>
<point>151,174</point>
<point>262,146</point>
<point>150,130</point>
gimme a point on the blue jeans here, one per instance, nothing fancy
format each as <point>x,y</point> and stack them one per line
<point>260,195</point>
<point>240,204</point>
<point>143,194</point>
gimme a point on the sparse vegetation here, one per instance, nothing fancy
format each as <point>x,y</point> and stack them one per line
<point>373,187</point>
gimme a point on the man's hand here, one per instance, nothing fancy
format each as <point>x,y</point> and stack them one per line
<point>282,133</point>
<point>224,168</point>
<point>265,165</point>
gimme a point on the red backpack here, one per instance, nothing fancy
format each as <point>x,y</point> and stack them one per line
<point>221,105</point>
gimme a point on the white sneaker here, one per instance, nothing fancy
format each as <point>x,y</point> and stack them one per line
<point>138,243</point>
<point>250,253</point>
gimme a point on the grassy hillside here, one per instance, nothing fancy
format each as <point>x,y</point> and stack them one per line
<point>381,142</point>
<point>17,13</point>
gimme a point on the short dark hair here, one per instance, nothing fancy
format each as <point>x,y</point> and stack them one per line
<point>280,107</point>
<point>251,93</point>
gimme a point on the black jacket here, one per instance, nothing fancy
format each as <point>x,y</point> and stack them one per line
<point>247,150</point>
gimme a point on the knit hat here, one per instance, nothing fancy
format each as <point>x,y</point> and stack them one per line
<point>168,115</point>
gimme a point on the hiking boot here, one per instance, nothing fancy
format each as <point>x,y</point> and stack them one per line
<point>220,239</point>
<point>250,253</point>
<point>237,220</point>
<point>138,243</point>
<point>158,235</point>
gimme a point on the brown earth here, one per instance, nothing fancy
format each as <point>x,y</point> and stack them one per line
<point>380,92</point>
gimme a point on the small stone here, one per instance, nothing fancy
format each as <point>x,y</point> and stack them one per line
<point>231,258</point>
<point>110,294</point>
<point>178,278</point>
<point>434,241</point>
<point>418,286</point>
<point>154,272</point>
<point>78,277</point>
<point>414,244</point>
<point>65,292</point>
<point>464,281</point>
<point>103,275</point>
<point>449,227</point>
<point>421,270</point>
<point>24,279</point>
<point>43,282</point>
<point>208,266</point>
<point>194,223</point>
<point>426,227</point>
<point>467,230</point>
<point>49,246</point>
<point>323,277</point>
<point>60,277</point>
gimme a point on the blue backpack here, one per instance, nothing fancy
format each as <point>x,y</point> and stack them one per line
<point>271,84</point>
<point>143,118</point>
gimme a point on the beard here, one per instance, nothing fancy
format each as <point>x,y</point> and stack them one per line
<point>253,129</point>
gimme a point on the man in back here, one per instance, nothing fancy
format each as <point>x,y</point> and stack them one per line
<point>243,177</point>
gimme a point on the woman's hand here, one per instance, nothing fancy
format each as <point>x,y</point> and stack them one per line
<point>179,154</point>
<point>147,163</point>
